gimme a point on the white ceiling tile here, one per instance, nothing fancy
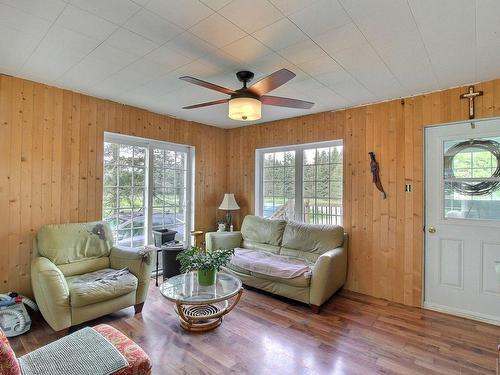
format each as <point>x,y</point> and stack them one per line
<point>185,13</point>
<point>301,52</point>
<point>83,22</point>
<point>190,46</point>
<point>199,69</point>
<point>354,92</point>
<point>59,51</point>
<point>247,49</point>
<point>167,55</point>
<point>23,22</point>
<point>16,47</point>
<point>46,9</point>
<point>332,78</point>
<point>444,19</point>
<point>324,64</point>
<point>305,85</point>
<point>131,42</point>
<point>152,26</point>
<point>488,27</point>
<point>288,7</point>
<point>117,11</point>
<point>217,31</point>
<point>320,16</point>
<point>88,73</point>
<point>226,62</point>
<point>251,15</point>
<point>280,34</point>
<point>111,55</point>
<point>343,37</point>
<point>149,69</point>
<point>216,4</point>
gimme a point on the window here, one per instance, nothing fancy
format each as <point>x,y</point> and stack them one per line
<point>147,185</point>
<point>471,182</point>
<point>302,182</point>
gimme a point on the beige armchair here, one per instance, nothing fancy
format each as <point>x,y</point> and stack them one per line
<point>78,275</point>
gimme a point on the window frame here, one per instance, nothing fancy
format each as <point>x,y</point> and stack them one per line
<point>151,144</point>
<point>299,171</point>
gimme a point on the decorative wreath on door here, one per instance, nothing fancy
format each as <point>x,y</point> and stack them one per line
<point>473,188</point>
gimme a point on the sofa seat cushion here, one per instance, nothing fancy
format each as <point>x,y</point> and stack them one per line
<point>301,281</point>
<point>139,362</point>
<point>235,268</point>
<point>269,264</point>
<point>100,286</point>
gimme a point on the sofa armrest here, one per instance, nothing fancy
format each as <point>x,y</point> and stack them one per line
<point>51,293</point>
<point>138,262</point>
<point>222,240</point>
<point>328,274</point>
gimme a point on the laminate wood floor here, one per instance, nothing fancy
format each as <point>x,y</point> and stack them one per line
<point>354,334</point>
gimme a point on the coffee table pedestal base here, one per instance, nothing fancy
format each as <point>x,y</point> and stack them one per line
<point>204,317</point>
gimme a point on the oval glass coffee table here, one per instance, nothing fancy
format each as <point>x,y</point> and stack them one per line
<point>202,308</point>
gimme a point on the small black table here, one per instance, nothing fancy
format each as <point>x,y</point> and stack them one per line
<point>171,265</point>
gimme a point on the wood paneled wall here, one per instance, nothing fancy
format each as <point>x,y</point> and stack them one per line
<point>51,168</point>
<point>51,163</point>
<point>386,238</point>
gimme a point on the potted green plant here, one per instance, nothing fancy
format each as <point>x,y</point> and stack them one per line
<point>206,263</point>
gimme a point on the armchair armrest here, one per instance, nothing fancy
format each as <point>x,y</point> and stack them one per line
<point>139,263</point>
<point>328,274</point>
<point>222,240</point>
<point>51,293</point>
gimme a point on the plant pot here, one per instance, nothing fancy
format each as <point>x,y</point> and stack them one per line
<point>207,277</point>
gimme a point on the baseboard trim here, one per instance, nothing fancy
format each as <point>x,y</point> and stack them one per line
<point>463,313</point>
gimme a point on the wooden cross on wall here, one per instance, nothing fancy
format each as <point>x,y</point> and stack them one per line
<point>471,95</point>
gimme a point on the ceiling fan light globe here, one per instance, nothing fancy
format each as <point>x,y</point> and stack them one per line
<point>245,109</point>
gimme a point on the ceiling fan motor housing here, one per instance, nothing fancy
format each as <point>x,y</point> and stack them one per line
<point>244,76</point>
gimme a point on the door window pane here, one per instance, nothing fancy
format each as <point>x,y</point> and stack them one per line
<point>472,179</point>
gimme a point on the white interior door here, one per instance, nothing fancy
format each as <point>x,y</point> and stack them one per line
<point>462,230</point>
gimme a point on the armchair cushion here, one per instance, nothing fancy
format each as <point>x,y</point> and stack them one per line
<point>99,286</point>
<point>68,243</point>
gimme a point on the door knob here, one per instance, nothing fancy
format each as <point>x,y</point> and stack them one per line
<point>432,229</point>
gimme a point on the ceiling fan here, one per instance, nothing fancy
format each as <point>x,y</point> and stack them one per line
<point>245,103</point>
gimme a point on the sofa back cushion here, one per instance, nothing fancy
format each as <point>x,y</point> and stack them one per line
<point>8,360</point>
<point>70,243</point>
<point>309,241</point>
<point>262,234</point>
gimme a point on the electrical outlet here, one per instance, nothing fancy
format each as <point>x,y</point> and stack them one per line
<point>408,188</point>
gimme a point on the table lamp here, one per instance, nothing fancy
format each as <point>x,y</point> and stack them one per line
<point>229,204</point>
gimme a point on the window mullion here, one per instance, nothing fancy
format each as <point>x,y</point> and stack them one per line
<point>299,182</point>
<point>148,196</point>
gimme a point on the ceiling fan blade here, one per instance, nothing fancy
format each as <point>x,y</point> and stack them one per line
<point>271,82</point>
<point>207,85</point>
<point>206,104</point>
<point>279,101</point>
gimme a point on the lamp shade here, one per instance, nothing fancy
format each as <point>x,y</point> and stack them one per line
<point>245,109</point>
<point>229,203</point>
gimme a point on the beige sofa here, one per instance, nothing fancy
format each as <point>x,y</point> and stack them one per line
<point>325,247</point>
<point>74,278</point>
